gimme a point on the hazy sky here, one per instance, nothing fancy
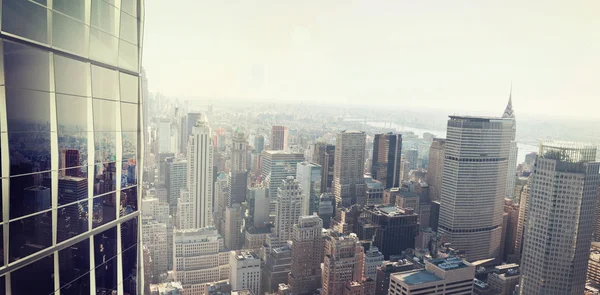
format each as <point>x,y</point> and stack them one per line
<point>455,55</point>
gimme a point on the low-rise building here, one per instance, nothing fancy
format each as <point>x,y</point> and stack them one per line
<point>441,276</point>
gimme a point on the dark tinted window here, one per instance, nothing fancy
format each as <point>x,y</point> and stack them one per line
<point>74,267</point>
<point>29,235</point>
<point>25,66</point>
<point>128,201</point>
<point>72,220</point>
<point>105,179</point>
<point>72,188</point>
<point>104,209</point>
<point>30,194</point>
<point>25,19</point>
<point>34,278</point>
<point>105,252</point>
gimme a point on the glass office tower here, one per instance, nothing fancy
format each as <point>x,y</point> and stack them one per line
<point>70,146</point>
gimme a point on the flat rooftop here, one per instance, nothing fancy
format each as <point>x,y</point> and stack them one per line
<point>449,263</point>
<point>477,118</point>
<point>416,277</point>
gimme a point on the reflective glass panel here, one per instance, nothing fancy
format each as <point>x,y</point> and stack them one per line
<point>2,285</point>
<point>104,209</point>
<point>69,34</point>
<point>2,257</point>
<point>72,221</point>
<point>72,131</point>
<point>74,267</point>
<point>103,46</point>
<point>105,252</point>
<point>129,6</point>
<point>105,83</point>
<point>29,152</point>
<point>71,76</point>
<point>104,17</point>
<point>105,115</point>
<point>106,150</point>
<point>34,278</point>
<point>128,28</point>
<point>129,200</point>
<point>129,117</point>
<point>128,55</point>
<point>26,67</point>
<point>129,173</point>
<point>27,110</point>
<point>29,235</point>
<point>73,8</point>
<point>129,145</point>
<point>129,258</point>
<point>72,188</point>
<point>105,179</point>
<point>129,88</point>
<point>30,194</point>
<point>26,19</point>
<point>129,231</point>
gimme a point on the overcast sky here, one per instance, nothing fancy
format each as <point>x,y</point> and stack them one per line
<point>454,55</point>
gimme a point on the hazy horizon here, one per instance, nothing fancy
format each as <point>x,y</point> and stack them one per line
<point>455,57</point>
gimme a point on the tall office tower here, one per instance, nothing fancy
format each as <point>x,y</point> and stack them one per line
<point>70,162</point>
<point>374,191</point>
<point>239,151</point>
<point>435,169</point>
<point>200,173</point>
<point>404,169</point>
<point>244,271</point>
<point>307,251</point>
<point>222,191</point>
<point>188,122</point>
<point>373,259</point>
<point>279,138</point>
<point>278,264</point>
<point>200,258</point>
<point>175,180</point>
<point>387,152</point>
<point>233,227</point>
<point>560,221</point>
<point>391,229</point>
<point>440,276</point>
<point>523,213</point>
<point>276,167</point>
<point>288,208</point>
<point>164,136</point>
<point>238,187</point>
<point>259,144</point>
<point>258,211</point>
<point>67,86</point>
<point>511,173</point>
<point>309,176</point>
<point>512,210</point>
<point>326,208</point>
<point>474,184</point>
<point>343,262</point>
<point>593,270</point>
<point>597,220</point>
<point>412,157</point>
<point>157,235</point>
<point>348,175</point>
<point>324,155</point>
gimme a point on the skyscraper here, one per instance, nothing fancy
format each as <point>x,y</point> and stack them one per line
<point>200,170</point>
<point>175,180</point>
<point>288,208</point>
<point>511,173</point>
<point>343,262</point>
<point>279,138</point>
<point>277,166</point>
<point>391,229</point>
<point>474,184</point>
<point>309,176</point>
<point>324,155</point>
<point>435,169</point>
<point>239,150</point>
<point>259,144</point>
<point>348,177</point>
<point>164,136</point>
<point>387,152</point>
<point>307,251</point>
<point>188,122</point>
<point>70,81</point>
<point>245,271</point>
<point>560,221</point>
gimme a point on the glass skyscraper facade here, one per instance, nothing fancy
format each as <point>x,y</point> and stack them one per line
<point>70,146</point>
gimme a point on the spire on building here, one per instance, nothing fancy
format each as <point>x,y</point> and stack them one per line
<point>508,112</point>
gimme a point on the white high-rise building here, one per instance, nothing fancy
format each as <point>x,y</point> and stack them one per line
<point>560,221</point>
<point>309,176</point>
<point>348,174</point>
<point>277,166</point>
<point>239,152</point>
<point>244,271</point>
<point>200,259</point>
<point>474,184</point>
<point>373,259</point>
<point>164,136</point>
<point>511,173</point>
<point>288,208</point>
<point>200,173</point>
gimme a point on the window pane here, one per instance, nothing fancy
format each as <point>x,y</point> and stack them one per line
<point>25,19</point>
<point>104,209</point>
<point>71,76</point>
<point>105,83</point>
<point>72,113</point>
<point>2,285</point>
<point>129,88</point>
<point>128,28</point>
<point>106,150</point>
<point>30,194</point>
<point>129,231</point>
<point>74,267</point>
<point>129,174</point>
<point>27,110</point>
<point>71,188</point>
<point>129,117</point>
<point>129,146</point>
<point>2,257</point>
<point>72,221</point>
<point>128,56</point>
<point>30,235</point>
<point>105,252</point>
<point>129,258</point>
<point>69,34</point>
<point>129,6</point>
<point>103,47</point>
<point>128,201</point>
<point>106,178</point>
<point>104,16</point>
<point>105,115</point>
<point>26,67</point>
<point>74,8</point>
<point>34,278</point>
<point>29,152</point>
